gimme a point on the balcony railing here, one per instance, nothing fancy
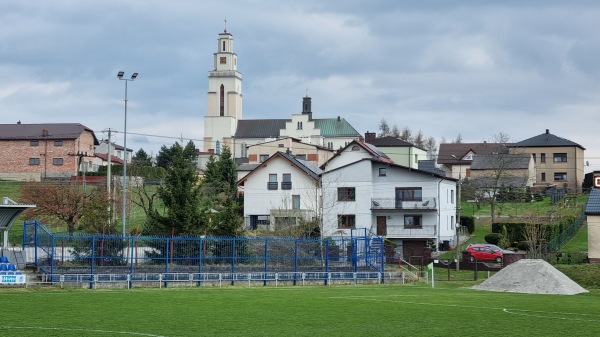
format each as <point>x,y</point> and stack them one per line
<point>272,185</point>
<point>395,204</point>
<point>286,185</point>
<point>400,231</point>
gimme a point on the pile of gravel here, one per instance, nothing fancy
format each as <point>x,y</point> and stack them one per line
<point>531,277</point>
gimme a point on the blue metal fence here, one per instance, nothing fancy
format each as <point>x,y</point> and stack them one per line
<point>57,254</point>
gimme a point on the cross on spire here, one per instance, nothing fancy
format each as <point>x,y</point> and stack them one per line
<point>225,24</point>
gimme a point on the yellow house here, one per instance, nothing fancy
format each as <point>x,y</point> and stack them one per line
<point>558,161</point>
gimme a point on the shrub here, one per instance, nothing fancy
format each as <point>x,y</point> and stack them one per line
<point>493,238</point>
<point>469,222</point>
<point>523,245</point>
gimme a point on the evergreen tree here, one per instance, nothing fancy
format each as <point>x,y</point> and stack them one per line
<point>180,195</point>
<point>141,158</point>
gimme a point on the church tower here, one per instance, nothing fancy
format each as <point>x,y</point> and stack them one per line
<point>224,97</point>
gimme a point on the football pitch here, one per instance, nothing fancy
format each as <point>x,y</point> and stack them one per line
<point>352,310</point>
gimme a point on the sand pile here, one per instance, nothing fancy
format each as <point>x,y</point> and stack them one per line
<point>531,277</point>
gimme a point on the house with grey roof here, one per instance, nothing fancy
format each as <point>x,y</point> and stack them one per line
<point>401,152</point>
<point>592,212</point>
<point>50,150</point>
<point>558,161</point>
<point>364,189</point>
<point>281,191</point>
<point>456,158</point>
<point>507,169</point>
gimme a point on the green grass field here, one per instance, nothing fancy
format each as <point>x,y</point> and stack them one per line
<point>370,310</point>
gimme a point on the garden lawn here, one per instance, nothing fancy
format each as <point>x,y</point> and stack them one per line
<point>373,310</point>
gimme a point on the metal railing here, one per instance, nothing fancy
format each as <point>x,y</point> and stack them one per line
<point>397,204</point>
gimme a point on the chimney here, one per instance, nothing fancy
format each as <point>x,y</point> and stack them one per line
<point>339,119</point>
<point>547,131</point>
<point>369,136</point>
<point>596,179</point>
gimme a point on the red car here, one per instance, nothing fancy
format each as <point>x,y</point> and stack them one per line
<point>484,253</point>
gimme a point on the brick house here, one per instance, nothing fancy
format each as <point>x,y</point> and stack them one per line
<point>38,151</point>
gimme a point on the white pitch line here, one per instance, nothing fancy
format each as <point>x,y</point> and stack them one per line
<point>82,330</point>
<point>532,313</point>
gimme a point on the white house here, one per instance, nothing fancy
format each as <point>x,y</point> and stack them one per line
<point>363,188</point>
<point>280,191</point>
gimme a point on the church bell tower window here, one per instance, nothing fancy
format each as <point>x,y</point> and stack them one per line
<point>222,101</point>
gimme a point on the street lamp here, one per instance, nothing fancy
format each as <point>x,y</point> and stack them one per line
<point>458,213</point>
<point>133,77</point>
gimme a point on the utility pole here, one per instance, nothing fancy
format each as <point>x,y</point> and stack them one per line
<point>109,177</point>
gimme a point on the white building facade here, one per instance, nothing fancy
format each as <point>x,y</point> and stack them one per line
<point>416,210</point>
<point>281,191</point>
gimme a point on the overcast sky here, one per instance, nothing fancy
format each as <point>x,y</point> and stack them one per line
<point>474,68</point>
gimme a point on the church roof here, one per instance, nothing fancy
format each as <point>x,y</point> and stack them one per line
<point>259,128</point>
<point>335,127</point>
<point>271,128</point>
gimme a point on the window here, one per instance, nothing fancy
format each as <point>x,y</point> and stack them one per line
<point>416,158</point>
<point>533,155</point>
<point>217,148</point>
<point>222,101</point>
<point>34,143</point>
<point>272,184</point>
<point>295,202</point>
<point>286,184</point>
<point>355,148</point>
<point>58,143</point>
<point>542,157</point>
<point>382,171</point>
<point>346,221</point>
<point>409,194</point>
<point>346,194</point>
<point>330,145</point>
<point>560,157</point>
<point>57,161</point>
<point>560,176</point>
<point>281,145</point>
<point>543,176</point>
<point>223,45</point>
<point>244,150</point>
<point>262,158</point>
<point>299,125</point>
<point>451,196</point>
<point>412,221</point>
<point>452,222</point>
<point>34,161</point>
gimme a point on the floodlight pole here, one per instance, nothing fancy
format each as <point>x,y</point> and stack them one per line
<point>133,77</point>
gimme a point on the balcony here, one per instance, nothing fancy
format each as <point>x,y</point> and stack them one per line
<point>404,232</point>
<point>286,185</point>
<point>386,204</point>
<point>272,185</point>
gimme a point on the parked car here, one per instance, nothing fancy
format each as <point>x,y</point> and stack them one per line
<point>484,253</point>
<point>494,247</point>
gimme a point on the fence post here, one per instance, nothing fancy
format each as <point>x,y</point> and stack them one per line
<point>266,259</point>
<point>295,260</point>
<point>167,260</point>
<point>233,262</point>
<point>93,259</point>
<point>132,261</point>
<point>326,258</point>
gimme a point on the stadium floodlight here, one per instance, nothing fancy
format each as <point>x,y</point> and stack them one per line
<point>133,77</point>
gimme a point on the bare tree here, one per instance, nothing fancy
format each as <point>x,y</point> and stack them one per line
<point>64,202</point>
<point>491,172</point>
<point>535,233</point>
